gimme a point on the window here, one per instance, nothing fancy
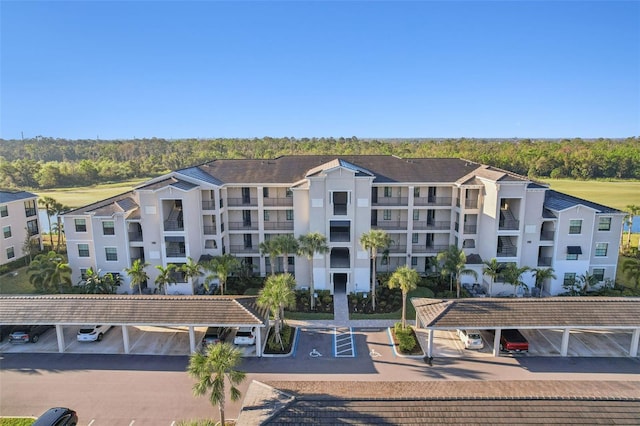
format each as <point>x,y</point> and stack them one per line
<point>83,273</point>
<point>598,273</point>
<point>575,226</point>
<point>266,215</point>
<point>386,215</point>
<point>416,192</point>
<point>32,227</point>
<point>414,238</point>
<point>414,261</point>
<point>572,256</point>
<point>289,214</point>
<point>601,249</point>
<point>83,250</point>
<point>210,244</point>
<point>416,215</point>
<point>30,208</point>
<point>604,224</point>
<point>108,228</point>
<point>10,253</point>
<point>7,231</point>
<point>569,278</point>
<point>4,211</point>
<point>265,192</point>
<point>81,225</point>
<point>111,253</point>
<point>387,191</point>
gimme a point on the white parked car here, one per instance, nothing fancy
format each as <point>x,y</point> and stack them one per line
<point>471,339</point>
<point>245,336</point>
<point>92,333</point>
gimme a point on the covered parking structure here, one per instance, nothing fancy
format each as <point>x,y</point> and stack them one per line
<point>131,310</point>
<point>563,313</point>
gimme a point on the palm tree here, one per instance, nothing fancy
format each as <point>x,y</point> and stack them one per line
<point>513,275</point>
<point>492,268</point>
<point>60,209</point>
<point>587,281</point>
<point>221,267</point>
<point>137,274</point>
<point>406,279</point>
<point>373,241</point>
<point>271,249</point>
<point>276,295</point>
<point>309,245</point>
<point>49,272</point>
<point>541,275</point>
<point>95,283</point>
<point>632,210</point>
<point>631,267</point>
<point>165,277</point>
<point>286,244</point>
<point>49,206</point>
<point>191,269</point>
<point>453,265</point>
<point>212,369</point>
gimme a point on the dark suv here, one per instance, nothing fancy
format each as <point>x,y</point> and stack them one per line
<point>27,333</point>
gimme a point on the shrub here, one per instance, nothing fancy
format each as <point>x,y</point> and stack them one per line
<point>405,337</point>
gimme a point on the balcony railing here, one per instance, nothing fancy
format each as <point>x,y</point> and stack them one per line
<point>285,225</point>
<point>209,229</point>
<point>432,201</point>
<point>241,248</point>
<point>443,225</point>
<point>30,211</point>
<point>391,224</point>
<point>544,261</point>
<point>470,229</point>
<point>135,236</point>
<point>433,248</point>
<point>391,201</point>
<point>208,205</point>
<point>547,235</point>
<point>398,248</point>
<point>278,202</point>
<point>241,226</point>
<point>176,252</point>
<point>174,225</point>
<point>507,252</point>
<point>242,202</point>
<point>509,224</point>
<point>471,203</point>
<point>339,237</point>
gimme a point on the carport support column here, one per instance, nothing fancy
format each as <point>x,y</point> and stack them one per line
<point>430,343</point>
<point>565,342</point>
<point>259,341</point>
<point>192,339</point>
<point>635,338</point>
<point>125,339</point>
<point>496,342</point>
<point>60,335</point>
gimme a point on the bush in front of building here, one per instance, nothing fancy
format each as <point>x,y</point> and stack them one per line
<point>324,301</point>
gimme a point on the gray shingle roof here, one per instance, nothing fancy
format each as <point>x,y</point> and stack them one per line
<point>197,173</point>
<point>9,196</point>
<point>558,201</point>
<point>130,310</point>
<point>528,312</point>
<point>116,204</point>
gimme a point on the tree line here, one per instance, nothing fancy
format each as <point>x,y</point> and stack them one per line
<point>42,162</point>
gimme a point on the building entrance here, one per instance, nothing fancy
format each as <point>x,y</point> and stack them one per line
<point>340,283</point>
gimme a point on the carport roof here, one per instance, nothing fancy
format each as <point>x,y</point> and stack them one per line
<point>483,313</point>
<point>131,310</point>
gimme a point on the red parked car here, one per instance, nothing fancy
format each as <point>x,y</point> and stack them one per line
<point>512,340</point>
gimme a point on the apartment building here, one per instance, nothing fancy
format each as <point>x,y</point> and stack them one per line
<point>18,219</point>
<point>424,204</point>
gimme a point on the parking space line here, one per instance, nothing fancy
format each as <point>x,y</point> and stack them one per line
<point>343,342</point>
<point>91,422</point>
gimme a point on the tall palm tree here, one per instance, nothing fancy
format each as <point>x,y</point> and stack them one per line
<point>453,265</point>
<point>631,267</point>
<point>49,206</point>
<point>287,244</point>
<point>60,209</point>
<point>165,277</point>
<point>96,283</point>
<point>632,211</point>
<point>212,369</point>
<point>138,276</point>
<point>271,249</point>
<point>221,267</point>
<point>541,275</point>
<point>587,281</point>
<point>373,241</point>
<point>492,268</point>
<point>513,275</point>
<point>191,269</point>
<point>406,279</point>
<point>49,272</point>
<point>309,245</point>
<point>276,295</point>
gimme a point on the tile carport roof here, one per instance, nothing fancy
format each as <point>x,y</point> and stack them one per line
<point>442,402</point>
<point>131,310</point>
<point>486,313</point>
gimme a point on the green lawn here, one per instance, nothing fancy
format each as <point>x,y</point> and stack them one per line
<point>16,284</point>
<point>411,312</point>
<point>616,194</point>
<point>16,421</point>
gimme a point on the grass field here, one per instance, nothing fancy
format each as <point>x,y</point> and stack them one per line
<point>616,194</point>
<point>83,195</point>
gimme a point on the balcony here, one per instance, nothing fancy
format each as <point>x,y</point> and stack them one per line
<point>240,248</point>
<point>174,225</point>
<point>391,225</point>
<point>208,205</point>
<point>278,202</point>
<point>176,252</point>
<point>508,222</point>
<point>242,202</point>
<point>209,229</point>
<point>135,236</point>
<point>242,226</point>
<point>547,235</point>
<point>432,248</point>
<point>507,252</point>
<point>470,229</point>
<point>432,201</point>
<point>432,225</point>
<point>471,203</point>
<point>544,261</point>
<point>286,225</point>
<point>391,201</point>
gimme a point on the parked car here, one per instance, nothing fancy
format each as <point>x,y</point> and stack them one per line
<point>214,335</point>
<point>92,333</point>
<point>58,416</point>
<point>245,336</point>
<point>28,333</point>
<point>513,341</point>
<point>471,339</point>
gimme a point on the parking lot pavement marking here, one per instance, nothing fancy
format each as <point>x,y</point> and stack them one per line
<point>374,354</point>
<point>314,353</point>
<point>91,422</point>
<point>343,343</point>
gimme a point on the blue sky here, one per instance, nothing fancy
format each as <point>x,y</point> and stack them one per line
<point>124,69</point>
